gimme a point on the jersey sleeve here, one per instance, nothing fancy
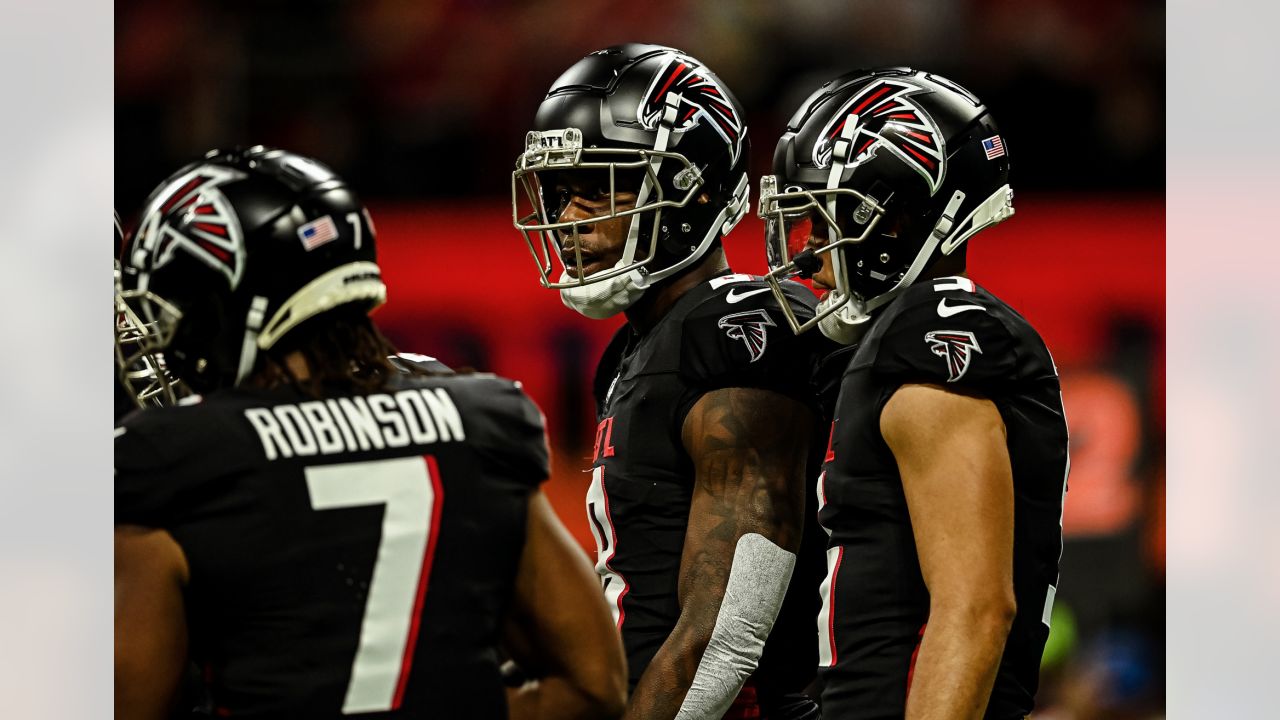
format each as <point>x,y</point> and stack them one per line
<point>514,435</point>
<point>748,344</point>
<point>972,349</point>
<point>146,470</point>
<point>414,363</point>
<point>168,460</point>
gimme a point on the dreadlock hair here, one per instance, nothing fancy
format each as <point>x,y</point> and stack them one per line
<point>345,353</point>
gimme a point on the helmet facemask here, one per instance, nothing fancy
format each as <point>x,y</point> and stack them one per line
<point>677,215</point>
<point>553,157</point>
<point>145,325</point>
<point>802,227</point>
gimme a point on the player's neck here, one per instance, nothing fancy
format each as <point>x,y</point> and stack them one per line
<point>947,267</point>
<point>657,302</point>
<point>297,364</point>
<point>293,367</point>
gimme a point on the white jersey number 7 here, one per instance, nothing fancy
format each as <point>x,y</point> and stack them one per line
<point>410,489</point>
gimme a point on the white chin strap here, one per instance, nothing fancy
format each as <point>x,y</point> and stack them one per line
<point>252,328</point>
<point>948,235</point>
<point>603,299</point>
<point>846,325</point>
<point>725,221</point>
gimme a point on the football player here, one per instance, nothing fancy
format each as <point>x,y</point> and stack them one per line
<point>328,531</point>
<point>943,485</point>
<point>635,171</point>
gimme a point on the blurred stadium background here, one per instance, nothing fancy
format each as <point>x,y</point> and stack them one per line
<point>424,105</point>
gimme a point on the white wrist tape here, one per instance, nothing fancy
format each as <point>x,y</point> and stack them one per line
<point>758,581</point>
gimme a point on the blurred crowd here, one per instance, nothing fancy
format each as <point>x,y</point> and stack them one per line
<point>424,100</point>
<point>428,102</point>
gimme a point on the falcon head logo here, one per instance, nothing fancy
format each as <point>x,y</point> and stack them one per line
<point>888,121</point>
<point>192,214</point>
<point>702,99</point>
<point>954,346</point>
<point>749,327</point>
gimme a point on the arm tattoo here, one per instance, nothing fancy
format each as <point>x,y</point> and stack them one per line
<point>749,448</point>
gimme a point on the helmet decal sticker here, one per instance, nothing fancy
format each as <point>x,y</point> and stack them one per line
<point>887,118</point>
<point>954,346</point>
<point>317,233</point>
<point>701,98</point>
<point>993,147</point>
<point>751,328</point>
<point>193,215</point>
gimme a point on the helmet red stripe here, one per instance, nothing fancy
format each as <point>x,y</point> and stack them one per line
<point>192,184</point>
<point>928,162</point>
<point>182,192</point>
<point>219,230</point>
<point>216,251</point>
<point>679,69</point>
<point>874,96</point>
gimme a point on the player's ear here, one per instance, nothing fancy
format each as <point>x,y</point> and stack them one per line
<point>703,199</point>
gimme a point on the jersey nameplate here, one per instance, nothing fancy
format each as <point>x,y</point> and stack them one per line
<point>327,427</point>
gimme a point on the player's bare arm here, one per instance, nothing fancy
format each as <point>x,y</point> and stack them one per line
<point>953,456</point>
<point>560,631</point>
<point>748,448</point>
<point>151,630</point>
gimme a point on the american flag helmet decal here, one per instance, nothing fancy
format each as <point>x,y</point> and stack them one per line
<point>993,147</point>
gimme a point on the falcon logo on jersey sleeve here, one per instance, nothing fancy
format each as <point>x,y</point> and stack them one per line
<point>701,99</point>
<point>749,327</point>
<point>954,346</point>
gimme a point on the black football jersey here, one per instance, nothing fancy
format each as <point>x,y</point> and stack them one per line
<point>951,333</point>
<point>348,555</point>
<point>726,332</point>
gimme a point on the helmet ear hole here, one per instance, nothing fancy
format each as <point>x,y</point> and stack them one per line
<point>195,352</point>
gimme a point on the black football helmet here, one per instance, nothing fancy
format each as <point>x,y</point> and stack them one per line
<point>236,250</point>
<point>656,122</point>
<point>887,170</point>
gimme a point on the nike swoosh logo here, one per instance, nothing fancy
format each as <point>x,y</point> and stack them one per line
<point>945,310</point>
<point>734,296</point>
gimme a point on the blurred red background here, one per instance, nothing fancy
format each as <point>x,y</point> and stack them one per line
<point>423,107</point>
